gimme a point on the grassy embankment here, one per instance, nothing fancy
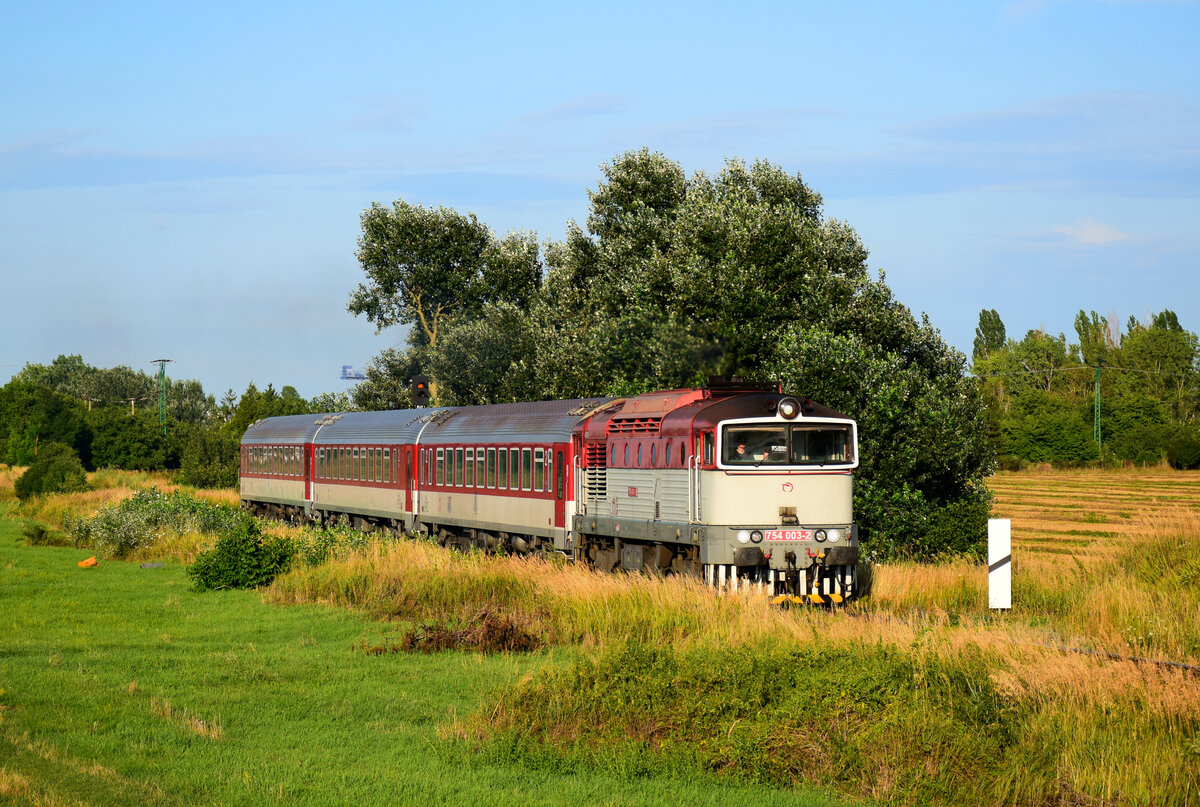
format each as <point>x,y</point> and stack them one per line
<point>915,695</point>
<point>121,685</point>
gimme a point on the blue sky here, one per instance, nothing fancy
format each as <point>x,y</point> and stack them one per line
<point>186,182</point>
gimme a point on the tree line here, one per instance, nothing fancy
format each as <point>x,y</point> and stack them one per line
<point>1047,394</point>
<point>109,418</point>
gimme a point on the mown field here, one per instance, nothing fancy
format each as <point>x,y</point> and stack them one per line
<point>121,684</point>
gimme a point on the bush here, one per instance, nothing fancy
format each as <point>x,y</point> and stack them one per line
<point>136,522</point>
<point>57,469</point>
<point>241,559</point>
<point>1184,452</point>
<point>40,535</point>
<point>210,460</point>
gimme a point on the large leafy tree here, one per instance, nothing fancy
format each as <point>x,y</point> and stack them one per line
<point>425,267</point>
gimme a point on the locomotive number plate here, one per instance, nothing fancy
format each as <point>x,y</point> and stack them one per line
<point>788,535</point>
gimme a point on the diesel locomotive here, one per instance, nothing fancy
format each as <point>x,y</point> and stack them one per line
<point>740,485</point>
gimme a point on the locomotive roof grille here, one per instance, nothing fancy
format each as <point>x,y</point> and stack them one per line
<point>635,425</point>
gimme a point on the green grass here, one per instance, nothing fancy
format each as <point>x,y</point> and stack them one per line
<point>120,685</point>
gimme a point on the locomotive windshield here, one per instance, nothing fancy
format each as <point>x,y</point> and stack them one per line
<point>788,444</point>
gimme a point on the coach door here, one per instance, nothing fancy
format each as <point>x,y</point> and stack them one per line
<point>560,487</point>
<point>309,472</point>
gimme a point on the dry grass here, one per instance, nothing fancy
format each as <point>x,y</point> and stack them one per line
<point>182,718</point>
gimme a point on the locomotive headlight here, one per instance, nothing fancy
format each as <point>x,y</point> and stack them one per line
<point>743,536</point>
<point>834,536</point>
<point>820,536</point>
<point>756,536</point>
<point>789,408</point>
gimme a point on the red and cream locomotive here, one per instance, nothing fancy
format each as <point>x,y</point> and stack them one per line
<point>740,485</point>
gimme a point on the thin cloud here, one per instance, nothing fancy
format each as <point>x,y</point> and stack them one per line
<point>1089,233</point>
<point>582,107</point>
<point>385,115</point>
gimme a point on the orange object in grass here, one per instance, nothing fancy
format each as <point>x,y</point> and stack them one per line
<point>83,564</point>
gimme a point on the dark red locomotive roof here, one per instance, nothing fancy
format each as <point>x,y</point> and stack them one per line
<point>677,413</point>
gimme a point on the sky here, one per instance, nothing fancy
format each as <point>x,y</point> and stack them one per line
<point>185,181</point>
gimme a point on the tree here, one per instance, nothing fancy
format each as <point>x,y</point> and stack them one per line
<point>388,376</point>
<point>1041,356</point>
<point>32,415</point>
<point>425,266</point>
<point>57,470</point>
<point>989,334</point>
<point>487,360</point>
<point>1094,332</point>
<point>332,402</point>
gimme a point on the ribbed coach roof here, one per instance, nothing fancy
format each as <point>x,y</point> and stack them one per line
<point>392,426</point>
<point>285,429</point>
<point>537,422</point>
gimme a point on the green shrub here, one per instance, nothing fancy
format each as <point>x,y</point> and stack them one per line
<point>242,558</point>
<point>57,469</point>
<point>210,460</point>
<point>136,522</point>
<point>1184,452</point>
<point>37,534</point>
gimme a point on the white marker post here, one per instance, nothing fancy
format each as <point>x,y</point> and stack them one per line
<point>999,563</point>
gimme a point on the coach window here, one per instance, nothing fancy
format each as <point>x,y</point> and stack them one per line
<point>458,467</point>
<point>539,472</point>
<point>514,469</point>
<point>502,469</point>
<point>470,468</point>
<point>480,471</point>
<point>491,467</point>
<point>441,466</point>
<point>387,466</point>
<point>560,473</point>
<point>526,469</point>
